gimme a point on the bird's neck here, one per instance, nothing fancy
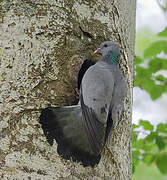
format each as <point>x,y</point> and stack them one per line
<point>112,57</point>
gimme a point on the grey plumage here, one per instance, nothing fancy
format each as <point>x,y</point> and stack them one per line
<point>83,130</point>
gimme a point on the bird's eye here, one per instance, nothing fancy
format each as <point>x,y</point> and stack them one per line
<point>105,45</point>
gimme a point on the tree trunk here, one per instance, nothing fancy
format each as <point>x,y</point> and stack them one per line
<point>42,44</point>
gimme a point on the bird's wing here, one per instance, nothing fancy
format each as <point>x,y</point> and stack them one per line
<point>96,94</point>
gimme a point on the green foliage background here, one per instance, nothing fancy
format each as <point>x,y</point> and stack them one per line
<point>150,151</point>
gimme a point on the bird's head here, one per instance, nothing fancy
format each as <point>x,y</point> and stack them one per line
<point>106,47</point>
<point>110,51</point>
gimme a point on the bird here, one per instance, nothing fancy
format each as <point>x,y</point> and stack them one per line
<point>82,131</point>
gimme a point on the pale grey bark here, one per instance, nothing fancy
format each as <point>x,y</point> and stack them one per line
<point>41,47</point>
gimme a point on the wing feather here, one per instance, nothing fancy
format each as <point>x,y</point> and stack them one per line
<point>94,128</point>
<point>96,93</point>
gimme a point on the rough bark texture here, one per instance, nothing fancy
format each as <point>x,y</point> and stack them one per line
<point>41,47</point>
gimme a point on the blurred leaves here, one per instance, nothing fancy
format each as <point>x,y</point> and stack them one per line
<point>146,79</point>
<point>160,142</point>
<point>146,125</point>
<point>152,147</point>
<point>161,162</point>
<point>143,40</point>
<point>163,33</point>
<point>150,62</point>
<point>155,48</point>
<point>162,128</point>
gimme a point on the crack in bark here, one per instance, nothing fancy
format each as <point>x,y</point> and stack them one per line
<point>85,33</point>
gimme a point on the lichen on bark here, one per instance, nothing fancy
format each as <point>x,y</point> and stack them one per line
<point>41,49</point>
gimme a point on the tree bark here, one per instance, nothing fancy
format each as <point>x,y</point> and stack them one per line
<point>41,48</point>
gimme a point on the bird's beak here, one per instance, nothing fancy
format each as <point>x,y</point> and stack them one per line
<point>97,51</point>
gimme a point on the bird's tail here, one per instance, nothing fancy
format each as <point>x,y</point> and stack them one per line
<point>65,125</point>
<point>61,123</point>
